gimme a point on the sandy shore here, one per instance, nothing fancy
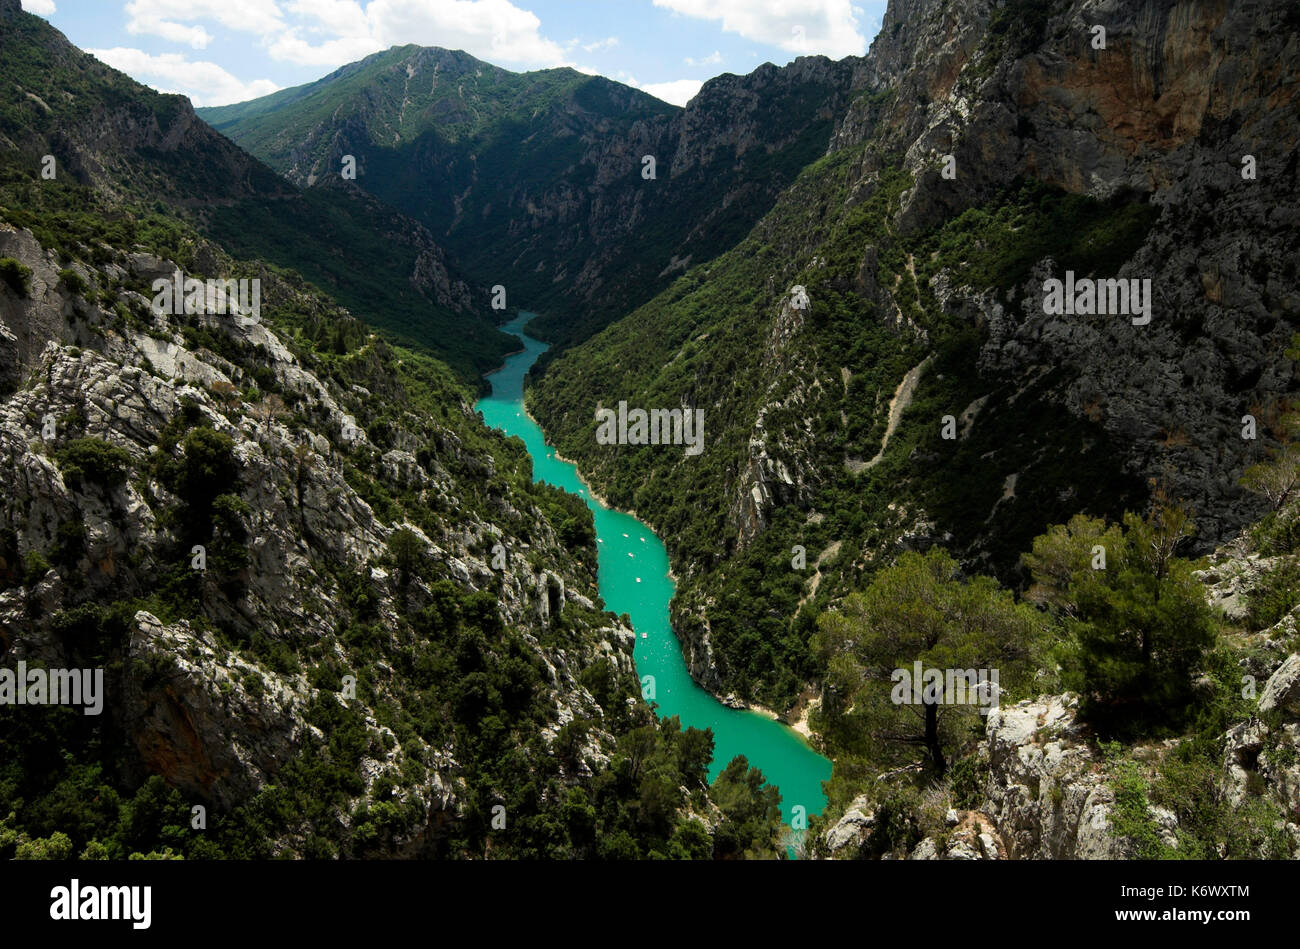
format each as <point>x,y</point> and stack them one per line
<point>762,710</point>
<point>801,710</point>
<point>801,723</point>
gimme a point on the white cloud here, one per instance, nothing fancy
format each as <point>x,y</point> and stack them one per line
<point>195,36</point>
<point>331,33</point>
<point>677,92</point>
<point>489,29</point>
<point>608,43</point>
<point>828,27</point>
<point>713,59</point>
<point>342,31</point>
<point>169,19</point>
<point>204,82</point>
<point>290,46</point>
<point>39,7</point>
<point>340,17</point>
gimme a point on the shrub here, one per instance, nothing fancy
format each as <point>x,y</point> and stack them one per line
<point>70,544</point>
<point>72,281</point>
<point>407,553</point>
<point>967,778</point>
<point>35,567</point>
<point>1275,595</point>
<point>17,276</point>
<point>209,468</point>
<point>895,830</point>
<point>1131,816</point>
<point>94,461</point>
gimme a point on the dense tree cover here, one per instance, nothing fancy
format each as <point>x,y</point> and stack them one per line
<point>823,395</point>
<point>920,610</point>
<point>93,460</point>
<point>1137,619</point>
<point>751,812</point>
<point>357,250</point>
<point>451,674</point>
<point>654,801</point>
<point>1118,619</point>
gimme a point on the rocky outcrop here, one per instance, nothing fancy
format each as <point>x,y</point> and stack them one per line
<point>971,836</point>
<point>769,481</point>
<point>1262,760</point>
<point>1047,793</point>
<point>851,830</point>
<point>207,702</point>
<point>691,625</point>
<point>1166,113</point>
<point>180,714</point>
<point>1282,690</point>
<point>1230,578</point>
<point>1259,758</point>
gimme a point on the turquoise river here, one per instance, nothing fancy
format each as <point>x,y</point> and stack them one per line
<point>634,579</point>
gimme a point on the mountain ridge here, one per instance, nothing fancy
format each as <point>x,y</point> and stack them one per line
<point>129,142</point>
<point>901,263</point>
<point>912,459</point>
<point>332,611</point>
<point>590,235</point>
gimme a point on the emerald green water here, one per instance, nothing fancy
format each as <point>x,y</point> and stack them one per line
<point>633,578</point>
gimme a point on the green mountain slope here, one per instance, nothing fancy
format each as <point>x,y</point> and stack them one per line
<point>349,674</point>
<point>535,180</point>
<point>129,142</point>
<point>277,540</point>
<point>826,424</point>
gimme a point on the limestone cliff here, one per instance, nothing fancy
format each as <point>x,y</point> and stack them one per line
<point>987,148</point>
<point>221,695</point>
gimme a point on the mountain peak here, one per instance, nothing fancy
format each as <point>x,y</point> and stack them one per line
<point>10,8</point>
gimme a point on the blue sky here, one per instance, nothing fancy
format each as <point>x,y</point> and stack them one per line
<point>222,51</point>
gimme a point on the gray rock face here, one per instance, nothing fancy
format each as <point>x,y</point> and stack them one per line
<point>180,715</point>
<point>1047,794</point>
<point>972,837</point>
<point>1229,581</point>
<point>215,722</point>
<point>1242,747</point>
<point>1166,114</point>
<point>1259,761</point>
<point>705,149</point>
<point>852,829</point>
<point>1282,691</point>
